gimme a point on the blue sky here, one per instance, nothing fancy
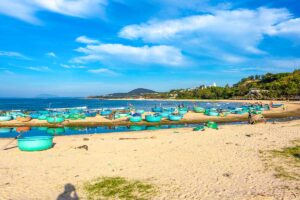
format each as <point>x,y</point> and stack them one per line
<point>90,47</point>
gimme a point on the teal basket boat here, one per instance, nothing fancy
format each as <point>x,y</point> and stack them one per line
<point>164,114</point>
<point>140,111</point>
<point>199,110</point>
<point>153,118</point>
<point>5,118</point>
<point>55,120</point>
<point>35,143</point>
<point>175,117</point>
<point>135,119</point>
<point>213,113</point>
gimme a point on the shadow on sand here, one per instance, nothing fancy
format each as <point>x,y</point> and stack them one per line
<point>69,193</point>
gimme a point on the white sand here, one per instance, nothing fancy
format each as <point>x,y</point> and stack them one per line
<point>214,164</point>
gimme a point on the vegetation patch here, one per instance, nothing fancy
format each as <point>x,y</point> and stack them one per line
<point>285,162</point>
<point>119,188</point>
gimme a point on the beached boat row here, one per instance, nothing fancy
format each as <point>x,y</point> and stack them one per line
<point>134,115</point>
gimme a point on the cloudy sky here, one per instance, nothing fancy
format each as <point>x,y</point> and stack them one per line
<point>89,47</point>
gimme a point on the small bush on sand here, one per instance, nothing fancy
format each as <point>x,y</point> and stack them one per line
<point>118,188</point>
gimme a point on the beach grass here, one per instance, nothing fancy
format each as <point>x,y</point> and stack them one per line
<point>118,188</point>
<point>285,162</point>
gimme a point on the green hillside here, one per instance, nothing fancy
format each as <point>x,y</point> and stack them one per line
<point>268,86</point>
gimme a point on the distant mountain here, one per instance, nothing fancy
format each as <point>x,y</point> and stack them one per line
<point>139,91</point>
<point>46,96</point>
<point>133,93</point>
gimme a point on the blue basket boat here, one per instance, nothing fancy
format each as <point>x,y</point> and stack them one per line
<point>35,143</point>
<point>55,120</point>
<point>153,118</point>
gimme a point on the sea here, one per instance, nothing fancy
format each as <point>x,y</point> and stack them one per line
<point>34,104</point>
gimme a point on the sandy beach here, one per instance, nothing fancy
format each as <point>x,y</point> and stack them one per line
<point>228,163</point>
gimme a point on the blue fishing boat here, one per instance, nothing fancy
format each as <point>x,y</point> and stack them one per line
<point>35,143</point>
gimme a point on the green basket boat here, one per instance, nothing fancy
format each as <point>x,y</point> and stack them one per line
<point>199,128</point>
<point>212,125</point>
<point>35,143</point>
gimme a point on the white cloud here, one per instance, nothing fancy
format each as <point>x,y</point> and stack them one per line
<point>39,69</point>
<point>103,71</point>
<point>235,32</point>
<point>73,66</point>
<point>160,54</point>
<point>13,54</point>
<point>26,9</point>
<point>85,40</point>
<point>287,28</point>
<point>51,54</point>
